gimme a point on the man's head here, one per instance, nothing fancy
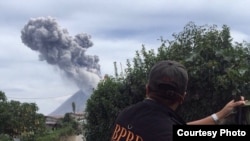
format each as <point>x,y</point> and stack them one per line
<point>167,81</point>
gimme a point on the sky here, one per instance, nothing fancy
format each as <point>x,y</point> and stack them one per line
<point>94,34</point>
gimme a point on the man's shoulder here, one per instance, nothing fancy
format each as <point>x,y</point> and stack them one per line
<point>145,110</point>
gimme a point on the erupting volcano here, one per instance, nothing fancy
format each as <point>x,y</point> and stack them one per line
<point>58,48</point>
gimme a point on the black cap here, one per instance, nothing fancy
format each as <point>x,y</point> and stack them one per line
<point>168,75</point>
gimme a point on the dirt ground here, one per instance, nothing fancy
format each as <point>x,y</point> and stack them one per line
<point>73,138</point>
<point>79,138</point>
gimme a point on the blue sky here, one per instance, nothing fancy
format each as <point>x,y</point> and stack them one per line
<point>117,30</point>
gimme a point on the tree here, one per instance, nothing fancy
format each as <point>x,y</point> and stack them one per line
<point>4,137</point>
<point>20,119</point>
<point>217,69</point>
<point>74,107</point>
<point>4,116</point>
<point>65,128</point>
<point>102,108</point>
<point>2,97</point>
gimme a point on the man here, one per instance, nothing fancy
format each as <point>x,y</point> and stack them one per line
<point>153,118</point>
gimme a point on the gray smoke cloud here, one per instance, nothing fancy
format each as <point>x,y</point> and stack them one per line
<point>58,48</point>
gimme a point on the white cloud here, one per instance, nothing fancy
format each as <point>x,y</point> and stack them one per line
<point>239,36</point>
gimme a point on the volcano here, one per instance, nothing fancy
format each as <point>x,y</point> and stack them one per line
<point>79,98</point>
<point>68,54</point>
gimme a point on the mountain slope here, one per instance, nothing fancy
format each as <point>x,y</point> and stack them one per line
<point>79,98</point>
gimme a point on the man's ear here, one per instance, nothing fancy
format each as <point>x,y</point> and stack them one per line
<point>182,99</point>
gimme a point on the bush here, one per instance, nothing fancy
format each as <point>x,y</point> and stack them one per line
<point>4,137</point>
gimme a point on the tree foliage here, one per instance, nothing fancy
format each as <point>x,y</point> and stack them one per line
<point>66,127</point>
<point>73,107</point>
<point>4,137</point>
<point>20,119</point>
<point>217,68</point>
<point>102,108</point>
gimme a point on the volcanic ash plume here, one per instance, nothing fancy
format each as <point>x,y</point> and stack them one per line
<point>58,48</point>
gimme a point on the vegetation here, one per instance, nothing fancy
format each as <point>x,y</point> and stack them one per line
<point>73,107</point>
<point>217,67</point>
<point>5,137</point>
<point>67,127</point>
<point>109,97</point>
<point>20,119</point>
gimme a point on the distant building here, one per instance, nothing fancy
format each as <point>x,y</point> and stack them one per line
<point>55,121</point>
<point>77,116</point>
